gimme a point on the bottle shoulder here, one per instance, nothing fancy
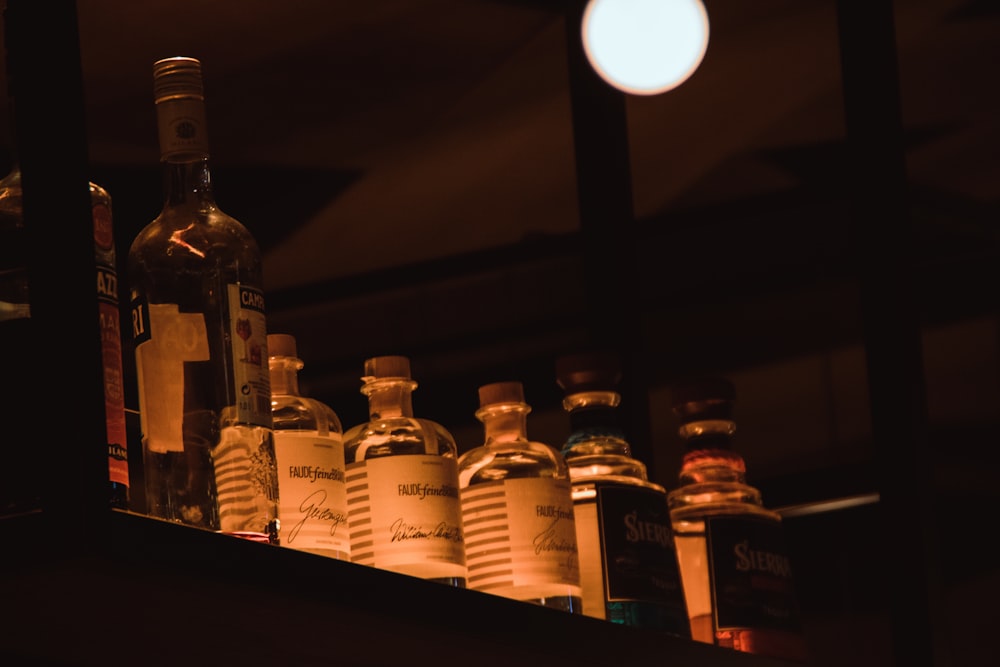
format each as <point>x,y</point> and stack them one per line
<point>511,459</point>
<point>300,413</point>
<point>694,501</point>
<point>394,436</point>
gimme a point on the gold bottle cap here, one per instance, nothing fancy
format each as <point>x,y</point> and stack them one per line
<point>177,78</point>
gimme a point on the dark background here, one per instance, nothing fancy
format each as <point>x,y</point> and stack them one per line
<point>411,171</point>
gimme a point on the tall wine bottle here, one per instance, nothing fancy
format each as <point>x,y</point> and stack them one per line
<point>198,318</point>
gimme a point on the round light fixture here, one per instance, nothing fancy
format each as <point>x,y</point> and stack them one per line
<point>645,47</point>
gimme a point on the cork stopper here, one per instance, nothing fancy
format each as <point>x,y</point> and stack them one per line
<point>281,345</point>
<point>177,78</point>
<point>501,392</point>
<point>704,398</point>
<point>589,371</point>
<point>387,367</point>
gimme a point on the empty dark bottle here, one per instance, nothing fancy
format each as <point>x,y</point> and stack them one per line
<point>628,561</point>
<point>198,318</point>
<point>731,550</point>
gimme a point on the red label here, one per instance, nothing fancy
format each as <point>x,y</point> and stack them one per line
<point>103,231</point>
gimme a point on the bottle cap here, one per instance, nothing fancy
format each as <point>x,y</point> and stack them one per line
<point>501,392</point>
<point>178,77</point>
<point>281,345</point>
<point>387,367</point>
<point>704,398</point>
<point>589,371</point>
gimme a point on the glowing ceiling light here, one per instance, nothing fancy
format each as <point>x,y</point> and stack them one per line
<point>645,47</point>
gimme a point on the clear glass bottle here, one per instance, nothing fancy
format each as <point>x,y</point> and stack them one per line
<point>196,277</point>
<point>628,562</point>
<point>309,450</point>
<point>517,505</point>
<point>402,483</point>
<point>15,314</point>
<point>734,565</point>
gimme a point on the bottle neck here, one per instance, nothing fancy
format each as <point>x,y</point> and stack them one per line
<point>708,453</point>
<point>595,424</point>
<point>389,398</point>
<point>504,422</point>
<point>188,185</point>
<point>284,375</point>
<point>184,152</point>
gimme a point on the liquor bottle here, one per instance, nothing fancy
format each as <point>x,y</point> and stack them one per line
<point>404,513</point>
<point>309,450</point>
<point>628,561</point>
<point>517,506</point>
<point>199,325</point>
<point>15,313</point>
<point>733,561</point>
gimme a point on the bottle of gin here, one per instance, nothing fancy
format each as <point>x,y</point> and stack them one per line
<point>517,506</point>
<point>198,319</point>
<point>402,483</point>
<point>309,449</point>
<point>15,316</point>
<point>628,561</point>
<point>734,564</point>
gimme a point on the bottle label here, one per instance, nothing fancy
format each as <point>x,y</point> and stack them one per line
<point>182,128</point>
<point>109,320</point>
<point>246,480</point>
<point>637,557</point>
<point>520,533</point>
<point>405,515</point>
<point>751,576</point>
<point>312,491</point>
<point>251,375</point>
<point>165,339</point>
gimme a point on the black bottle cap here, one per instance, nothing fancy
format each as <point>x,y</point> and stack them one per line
<point>589,371</point>
<point>703,398</point>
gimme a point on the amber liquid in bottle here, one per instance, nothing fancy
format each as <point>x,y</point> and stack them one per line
<point>737,577</point>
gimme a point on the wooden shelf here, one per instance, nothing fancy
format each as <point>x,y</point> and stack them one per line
<point>144,591</point>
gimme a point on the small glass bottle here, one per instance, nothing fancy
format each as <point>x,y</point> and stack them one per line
<point>309,450</point>
<point>628,560</point>
<point>517,505</point>
<point>15,314</point>
<point>404,512</point>
<point>734,565</point>
<point>198,318</point>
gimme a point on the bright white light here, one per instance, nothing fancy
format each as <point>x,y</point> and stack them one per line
<point>645,47</point>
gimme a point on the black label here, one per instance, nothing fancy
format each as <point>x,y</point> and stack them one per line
<point>751,575</point>
<point>640,561</point>
<point>140,321</point>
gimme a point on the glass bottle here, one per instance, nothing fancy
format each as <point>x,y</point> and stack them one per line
<point>402,483</point>
<point>628,561</point>
<point>734,565</point>
<point>15,314</point>
<point>199,325</point>
<point>517,506</point>
<point>309,450</point>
